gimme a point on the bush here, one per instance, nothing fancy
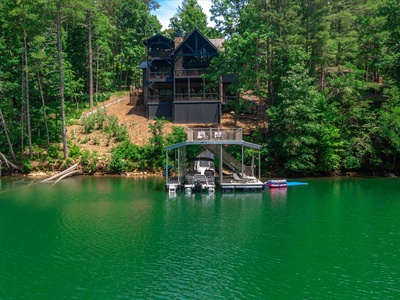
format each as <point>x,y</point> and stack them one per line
<point>89,161</point>
<point>126,157</point>
<point>94,121</point>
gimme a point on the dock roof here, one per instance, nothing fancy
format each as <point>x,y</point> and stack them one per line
<point>214,142</point>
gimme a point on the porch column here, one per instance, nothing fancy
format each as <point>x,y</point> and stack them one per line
<point>221,177</point>
<point>242,162</point>
<point>166,168</point>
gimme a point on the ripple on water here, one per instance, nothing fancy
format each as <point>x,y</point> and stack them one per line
<point>138,245</point>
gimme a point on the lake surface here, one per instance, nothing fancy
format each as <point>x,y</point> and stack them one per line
<point>125,238</point>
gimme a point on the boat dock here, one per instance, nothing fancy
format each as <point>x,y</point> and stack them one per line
<point>232,175</point>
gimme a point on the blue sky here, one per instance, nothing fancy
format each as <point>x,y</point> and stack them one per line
<point>168,9</point>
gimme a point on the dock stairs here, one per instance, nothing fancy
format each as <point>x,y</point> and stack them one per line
<point>227,159</point>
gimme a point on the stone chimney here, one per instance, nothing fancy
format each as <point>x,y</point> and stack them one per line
<point>178,39</point>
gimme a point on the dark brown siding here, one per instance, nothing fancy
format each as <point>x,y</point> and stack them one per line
<point>204,112</point>
<point>159,110</point>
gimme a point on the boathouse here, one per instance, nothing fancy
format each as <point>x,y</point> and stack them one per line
<point>173,83</point>
<point>233,174</point>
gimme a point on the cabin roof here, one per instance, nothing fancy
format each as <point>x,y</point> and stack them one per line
<point>158,38</point>
<point>190,39</point>
<point>215,142</point>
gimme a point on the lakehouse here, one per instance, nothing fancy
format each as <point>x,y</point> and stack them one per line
<point>173,83</point>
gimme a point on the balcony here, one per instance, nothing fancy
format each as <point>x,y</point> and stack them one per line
<point>214,134</point>
<point>159,98</point>
<point>197,97</point>
<point>160,54</point>
<point>158,76</point>
<point>194,73</point>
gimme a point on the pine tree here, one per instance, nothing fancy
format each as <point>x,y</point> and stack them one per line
<point>189,16</point>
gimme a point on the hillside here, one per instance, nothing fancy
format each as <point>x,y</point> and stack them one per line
<point>136,123</point>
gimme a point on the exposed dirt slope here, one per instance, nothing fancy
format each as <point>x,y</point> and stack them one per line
<point>137,125</point>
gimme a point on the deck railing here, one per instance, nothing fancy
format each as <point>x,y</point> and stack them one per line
<point>159,53</point>
<point>196,97</point>
<point>158,75</point>
<point>214,134</point>
<point>158,98</point>
<point>190,72</point>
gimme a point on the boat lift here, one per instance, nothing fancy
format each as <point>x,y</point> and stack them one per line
<point>216,139</point>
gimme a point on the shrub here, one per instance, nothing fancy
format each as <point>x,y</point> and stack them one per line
<point>126,157</point>
<point>89,161</point>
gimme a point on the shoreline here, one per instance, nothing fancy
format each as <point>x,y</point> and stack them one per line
<point>42,174</point>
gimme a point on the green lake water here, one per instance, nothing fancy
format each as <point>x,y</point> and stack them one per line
<point>125,238</point>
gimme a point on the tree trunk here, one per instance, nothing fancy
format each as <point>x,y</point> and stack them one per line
<point>28,112</point>
<point>90,59</point>
<point>60,64</point>
<point>22,105</point>
<point>44,110</point>
<point>97,74</point>
<point>3,123</point>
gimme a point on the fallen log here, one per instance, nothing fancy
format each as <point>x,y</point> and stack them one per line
<point>72,173</point>
<point>55,177</point>
<point>8,163</point>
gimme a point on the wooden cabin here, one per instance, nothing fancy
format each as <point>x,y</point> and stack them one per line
<point>173,82</point>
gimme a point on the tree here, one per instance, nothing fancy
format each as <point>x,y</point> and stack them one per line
<point>354,117</point>
<point>391,61</point>
<point>227,15</point>
<point>189,16</point>
<point>389,129</point>
<point>61,74</point>
<point>89,16</point>
<point>302,139</point>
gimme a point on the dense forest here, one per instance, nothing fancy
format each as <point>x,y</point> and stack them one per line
<point>328,74</point>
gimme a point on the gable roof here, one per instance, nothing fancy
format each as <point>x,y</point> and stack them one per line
<point>158,38</point>
<point>210,47</point>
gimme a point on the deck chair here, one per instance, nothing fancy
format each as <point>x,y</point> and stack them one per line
<point>201,135</point>
<point>236,177</point>
<point>218,135</point>
<point>248,178</point>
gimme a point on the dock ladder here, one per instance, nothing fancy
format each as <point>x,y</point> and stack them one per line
<point>172,188</point>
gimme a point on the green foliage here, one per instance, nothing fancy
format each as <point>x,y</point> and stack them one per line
<point>390,62</point>
<point>188,17</point>
<point>241,107</point>
<point>154,151</point>
<point>298,140</point>
<point>74,151</point>
<point>177,136</point>
<point>126,157</point>
<point>88,161</point>
<point>321,117</point>
<point>99,120</point>
<point>114,129</point>
<point>389,129</point>
<point>226,15</point>
<point>94,121</point>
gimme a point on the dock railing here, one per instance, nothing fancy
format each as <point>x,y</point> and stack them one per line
<point>214,134</point>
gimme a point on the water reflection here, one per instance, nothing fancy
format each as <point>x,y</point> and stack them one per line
<point>242,196</point>
<point>278,197</point>
<point>340,235</point>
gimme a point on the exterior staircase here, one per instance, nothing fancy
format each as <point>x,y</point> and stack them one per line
<point>136,97</point>
<point>227,159</point>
